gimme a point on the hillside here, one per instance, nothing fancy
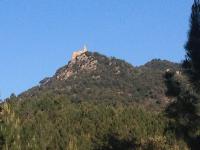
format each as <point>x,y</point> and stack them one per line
<point>95,77</point>
<point>92,103</point>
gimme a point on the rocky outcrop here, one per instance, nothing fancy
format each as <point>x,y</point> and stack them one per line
<point>79,53</point>
<point>83,62</point>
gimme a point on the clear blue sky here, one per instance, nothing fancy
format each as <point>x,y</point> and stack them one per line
<point>38,36</point>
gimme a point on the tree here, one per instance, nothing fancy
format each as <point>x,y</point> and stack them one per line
<point>186,109</point>
<point>192,61</point>
<point>192,47</point>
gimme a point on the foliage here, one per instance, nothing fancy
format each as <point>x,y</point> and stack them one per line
<point>9,129</point>
<point>184,110</point>
<point>192,61</point>
<point>56,123</point>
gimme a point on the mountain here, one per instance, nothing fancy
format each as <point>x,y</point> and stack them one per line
<point>93,103</point>
<point>91,76</point>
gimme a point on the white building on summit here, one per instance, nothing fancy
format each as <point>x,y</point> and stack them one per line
<point>78,53</point>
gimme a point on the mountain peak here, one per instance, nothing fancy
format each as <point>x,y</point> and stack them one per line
<point>79,52</point>
<point>81,61</point>
<point>93,76</point>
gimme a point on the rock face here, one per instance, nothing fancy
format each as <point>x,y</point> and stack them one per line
<point>82,62</point>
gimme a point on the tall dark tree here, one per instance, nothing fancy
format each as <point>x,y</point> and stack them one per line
<point>192,61</point>
<point>186,109</point>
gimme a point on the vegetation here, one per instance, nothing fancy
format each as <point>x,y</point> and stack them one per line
<point>192,47</point>
<point>114,107</point>
<point>183,109</point>
<point>113,81</point>
<point>57,123</point>
<point>185,88</point>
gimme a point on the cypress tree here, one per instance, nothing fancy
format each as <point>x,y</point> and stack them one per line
<point>186,109</point>
<point>192,60</point>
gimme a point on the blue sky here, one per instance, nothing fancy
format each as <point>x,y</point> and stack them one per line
<point>38,36</point>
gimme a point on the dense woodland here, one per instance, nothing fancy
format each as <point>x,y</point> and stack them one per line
<point>107,104</point>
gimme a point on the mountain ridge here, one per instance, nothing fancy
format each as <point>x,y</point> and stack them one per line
<point>98,102</point>
<point>96,77</point>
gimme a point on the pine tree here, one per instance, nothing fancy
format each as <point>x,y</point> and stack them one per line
<point>192,60</point>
